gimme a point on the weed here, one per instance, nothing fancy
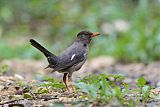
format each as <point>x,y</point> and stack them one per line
<point>144,89</point>
<point>3,69</point>
<point>102,88</point>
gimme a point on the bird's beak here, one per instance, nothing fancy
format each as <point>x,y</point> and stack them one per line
<point>95,34</point>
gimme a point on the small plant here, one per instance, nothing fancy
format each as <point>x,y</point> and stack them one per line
<point>141,82</point>
<point>144,89</point>
<point>103,87</point>
<point>106,88</point>
<point>3,69</point>
<point>49,82</point>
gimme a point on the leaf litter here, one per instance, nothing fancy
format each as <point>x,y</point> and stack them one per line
<point>110,84</point>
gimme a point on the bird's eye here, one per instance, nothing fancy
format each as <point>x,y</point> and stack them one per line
<point>85,45</point>
<point>91,34</point>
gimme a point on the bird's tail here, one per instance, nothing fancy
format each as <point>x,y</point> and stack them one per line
<point>41,48</point>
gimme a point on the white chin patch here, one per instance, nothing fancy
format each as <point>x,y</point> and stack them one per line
<point>73,56</point>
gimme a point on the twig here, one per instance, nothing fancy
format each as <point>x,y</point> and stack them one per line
<point>11,101</point>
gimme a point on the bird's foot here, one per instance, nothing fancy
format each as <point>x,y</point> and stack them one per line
<point>73,89</point>
<point>72,86</point>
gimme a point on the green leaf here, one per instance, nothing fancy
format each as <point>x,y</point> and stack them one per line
<point>90,89</point>
<point>39,90</point>
<point>27,95</point>
<point>145,92</point>
<point>3,69</point>
<point>141,81</point>
<point>44,90</point>
<point>117,91</point>
<point>145,88</point>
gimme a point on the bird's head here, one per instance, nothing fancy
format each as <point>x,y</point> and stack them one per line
<point>86,36</point>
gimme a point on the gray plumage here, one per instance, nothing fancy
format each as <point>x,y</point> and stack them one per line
<point>72,58</point>
<point>63,62</point>
<point>64,59</point>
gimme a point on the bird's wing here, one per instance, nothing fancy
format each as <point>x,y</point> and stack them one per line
<point>70,60</point>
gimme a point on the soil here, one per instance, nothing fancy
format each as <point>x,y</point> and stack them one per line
<point>31,71</point>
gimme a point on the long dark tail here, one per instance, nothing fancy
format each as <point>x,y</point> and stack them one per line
<point>41,48</point>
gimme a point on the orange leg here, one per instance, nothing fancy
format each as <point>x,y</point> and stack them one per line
<point>72,86</point>
<point>64,80</point>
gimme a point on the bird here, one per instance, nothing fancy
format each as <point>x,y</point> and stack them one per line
<point>71,59</point>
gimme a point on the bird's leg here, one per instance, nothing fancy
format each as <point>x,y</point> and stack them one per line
<point>64,80</point>
<point>70,80</point>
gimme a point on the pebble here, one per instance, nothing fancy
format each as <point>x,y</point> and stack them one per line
<point>158,84</point>
<point>1,87</point>
<point>19,77</point>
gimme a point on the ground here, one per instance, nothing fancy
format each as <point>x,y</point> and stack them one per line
<point>22,82</point>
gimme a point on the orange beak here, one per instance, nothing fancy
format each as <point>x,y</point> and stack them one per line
<point>95,34</point>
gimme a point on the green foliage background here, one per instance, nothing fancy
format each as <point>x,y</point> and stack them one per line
<point>56,22</point>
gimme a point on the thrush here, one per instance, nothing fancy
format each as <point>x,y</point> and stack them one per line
<point>71,59</point>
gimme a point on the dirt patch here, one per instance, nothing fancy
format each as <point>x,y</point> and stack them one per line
<point>30,72</point>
